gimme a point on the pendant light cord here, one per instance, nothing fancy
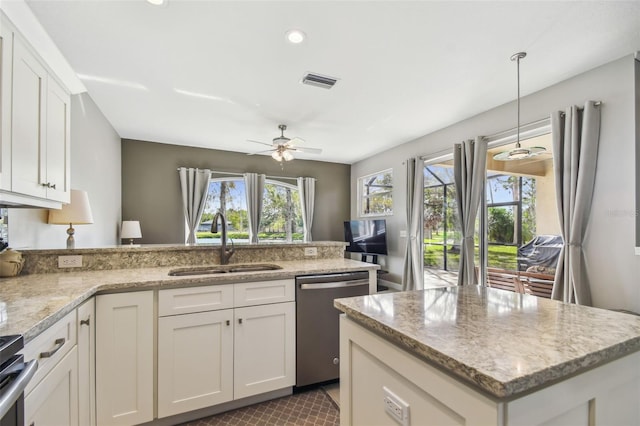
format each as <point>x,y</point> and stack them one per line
<point>517,58</point>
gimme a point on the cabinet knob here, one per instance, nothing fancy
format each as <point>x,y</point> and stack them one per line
<point>52,186</point>
<point>85,322</point>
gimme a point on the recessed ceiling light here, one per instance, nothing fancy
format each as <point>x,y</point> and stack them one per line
<point>295,36</point>
<point>156,2</point>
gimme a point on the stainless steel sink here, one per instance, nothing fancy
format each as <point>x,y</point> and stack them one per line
<point>223,269</point>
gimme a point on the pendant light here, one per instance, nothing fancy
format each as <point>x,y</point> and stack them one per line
<point>519,153</point>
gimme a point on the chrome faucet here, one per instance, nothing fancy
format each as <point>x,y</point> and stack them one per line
<point>225,254</point>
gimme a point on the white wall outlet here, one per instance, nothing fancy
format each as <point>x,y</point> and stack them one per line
<point>403,233</point>
<point>70,261</point>
<point>396,407</point>
<point>310,251</point>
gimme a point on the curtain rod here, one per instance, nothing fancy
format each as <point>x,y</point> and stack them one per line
<point>240,174</point>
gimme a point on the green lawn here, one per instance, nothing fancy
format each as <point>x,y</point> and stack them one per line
<point>499,256</point>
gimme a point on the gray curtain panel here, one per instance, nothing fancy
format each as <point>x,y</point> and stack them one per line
<point>307,194</point>
<point>469,169</point>
<point>254,192</point>
<point>575,137</point>
<point>194,184</point>
<point>413,272</point>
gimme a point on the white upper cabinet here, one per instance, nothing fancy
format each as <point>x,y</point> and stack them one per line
<point>35,127</point>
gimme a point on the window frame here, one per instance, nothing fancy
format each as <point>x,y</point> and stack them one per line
<point>362,197</point>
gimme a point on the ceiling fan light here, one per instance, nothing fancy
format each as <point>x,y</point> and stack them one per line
<point>276,155</point>
<point>287,156</point>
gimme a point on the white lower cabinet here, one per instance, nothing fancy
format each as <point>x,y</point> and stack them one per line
<point>86,363</point>
<point>374,370</point>
<point>264,349</point>
<point>219,355</point>
<point>195,361</point>
<point>124,358</point>
<point>54,400</point>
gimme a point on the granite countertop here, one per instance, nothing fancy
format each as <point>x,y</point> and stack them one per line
<point>29,304</point>
<point>503,343</point>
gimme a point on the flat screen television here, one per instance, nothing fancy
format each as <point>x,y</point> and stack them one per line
<point>366,236</point>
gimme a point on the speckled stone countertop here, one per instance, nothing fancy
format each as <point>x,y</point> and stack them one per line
<point>29,304</point>
<point>503,343</point>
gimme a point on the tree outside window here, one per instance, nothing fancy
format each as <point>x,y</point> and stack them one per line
<point>375,194</point>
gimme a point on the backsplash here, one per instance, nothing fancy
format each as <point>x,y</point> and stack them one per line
<point>147,256</point>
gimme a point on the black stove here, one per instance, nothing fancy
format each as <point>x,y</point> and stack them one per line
<point>14,377</point>
<point>9,346</point>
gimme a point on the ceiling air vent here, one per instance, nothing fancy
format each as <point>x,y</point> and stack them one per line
<point>319,80</point>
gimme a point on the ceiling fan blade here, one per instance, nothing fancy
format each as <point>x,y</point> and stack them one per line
<point>295,141</point>
<point>259,152</point>
<point>307,150</point>
<point>261,143</point>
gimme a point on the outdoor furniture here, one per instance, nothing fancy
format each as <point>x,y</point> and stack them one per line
<point>534,283</point>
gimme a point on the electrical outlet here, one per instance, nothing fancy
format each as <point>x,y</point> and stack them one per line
<point>70,261</point>
<point>396,407</point>
<point>403,233</point>
<point>310,251</point>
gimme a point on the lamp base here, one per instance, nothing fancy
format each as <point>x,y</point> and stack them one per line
<point>71,242</point>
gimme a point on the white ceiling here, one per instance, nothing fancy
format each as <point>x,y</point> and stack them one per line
<point>406,68</point>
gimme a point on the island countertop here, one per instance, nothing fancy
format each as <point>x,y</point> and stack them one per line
<point>30,304</point>
<point>503,343</point>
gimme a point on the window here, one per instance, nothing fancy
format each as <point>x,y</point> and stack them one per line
<point>441,222</point>
<point>375,194</point>
<point>227,195</point>
<point>281,218</point>
<point>519,208</point>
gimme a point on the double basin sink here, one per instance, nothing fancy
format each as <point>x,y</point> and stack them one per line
<point>223,269</point>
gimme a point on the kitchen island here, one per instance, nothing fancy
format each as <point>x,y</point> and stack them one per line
<point>474,355</point>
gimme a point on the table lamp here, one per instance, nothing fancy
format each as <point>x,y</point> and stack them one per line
<point>130,229</point>
<point>77,212</point>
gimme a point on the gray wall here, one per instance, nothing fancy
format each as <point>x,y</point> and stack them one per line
<point>95,168</point>
<point>609,244</point>
<point>151,189</point>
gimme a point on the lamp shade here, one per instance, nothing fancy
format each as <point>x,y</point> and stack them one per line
<point>130,229</point>
<point>77,212</point>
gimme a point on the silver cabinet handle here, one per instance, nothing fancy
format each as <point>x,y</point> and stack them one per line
<point>86,322</point>
<point>59,344</point>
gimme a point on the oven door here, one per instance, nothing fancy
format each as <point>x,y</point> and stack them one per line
<point>14,376</point>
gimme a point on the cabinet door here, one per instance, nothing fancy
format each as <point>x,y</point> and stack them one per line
<point>195,361</point>
<point>86,364</point>
<point>124,358</point>
<point>56,168</point>
<point>264,348</point>
<point>55,400</point>
<point>6,53</point>
<point>28,122</point>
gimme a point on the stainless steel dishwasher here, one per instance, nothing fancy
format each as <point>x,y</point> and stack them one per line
<point>317,327</point>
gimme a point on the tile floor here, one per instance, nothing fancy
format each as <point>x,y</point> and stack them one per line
<point>313,407</point>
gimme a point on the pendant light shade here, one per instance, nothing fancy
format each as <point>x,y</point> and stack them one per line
<point>519,152</point>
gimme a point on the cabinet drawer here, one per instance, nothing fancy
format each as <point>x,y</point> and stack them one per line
<point>264,292</point>
<point>194,299</point>
<point>50,347</point>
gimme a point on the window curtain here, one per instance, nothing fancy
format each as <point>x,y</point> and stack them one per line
<point>307,194</point>
<point>254,191</point>
<point>194,184</point>
<point>413,273</point>
<point>469,169</point>
<point>575,137</point>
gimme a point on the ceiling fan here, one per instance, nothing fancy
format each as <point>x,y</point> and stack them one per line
<point>282,147</point>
